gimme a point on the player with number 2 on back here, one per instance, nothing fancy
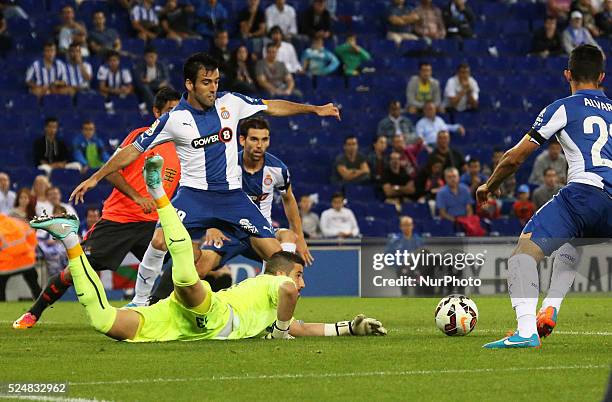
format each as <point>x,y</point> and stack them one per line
<point>204,129</point>
<point>579,214</point>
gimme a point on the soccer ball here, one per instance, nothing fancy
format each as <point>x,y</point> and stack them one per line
<point>456,315</point>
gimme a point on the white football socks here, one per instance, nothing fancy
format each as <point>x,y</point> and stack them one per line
<point>563,275</point>
<point>524,289</point>
<point>148,270</point>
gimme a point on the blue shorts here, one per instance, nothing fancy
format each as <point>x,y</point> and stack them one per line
<point>577,211</point>
<point>233,248</point>
<point>230,211</point>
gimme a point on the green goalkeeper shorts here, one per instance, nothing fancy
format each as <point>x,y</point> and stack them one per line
<point>169,320</point>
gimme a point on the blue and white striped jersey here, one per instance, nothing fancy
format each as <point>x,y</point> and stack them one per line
<point>583,125</point>
<point>114,79</point>
<point>40,74</point>
<point>74,76</point>
<point>260,186</point>
<point>205,140</point>
<point>141,13</point>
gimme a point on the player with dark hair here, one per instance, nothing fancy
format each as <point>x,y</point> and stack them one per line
<point>128,219</point>
<point>204,128</point>
<point>582,124</point>
<point>193,311</point>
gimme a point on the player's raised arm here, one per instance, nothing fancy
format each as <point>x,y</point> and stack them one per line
<point>509,163</point>
<point>358,326</point>
<point>281,108</point>
<point>120,160</point>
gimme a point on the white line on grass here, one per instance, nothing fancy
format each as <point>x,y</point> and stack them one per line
<point>342,375</point>
<point>49,398</point>
<point>501,332</point>
<point>42,322</point>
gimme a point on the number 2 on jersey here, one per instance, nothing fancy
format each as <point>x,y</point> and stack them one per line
<point>589,125</point>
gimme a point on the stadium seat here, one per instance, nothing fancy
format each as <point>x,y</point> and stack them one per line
<point>438,227</point>
<point>90,101</point>
<point>417,211</point>
<point>54,103</point>
<point>506,227</point>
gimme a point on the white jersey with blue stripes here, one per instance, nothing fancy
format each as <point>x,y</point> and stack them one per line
<point>205,140</point>
<point>583,125</point>
<point>261,185</point>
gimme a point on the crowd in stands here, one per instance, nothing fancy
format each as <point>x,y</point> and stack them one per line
<point>105,60</point>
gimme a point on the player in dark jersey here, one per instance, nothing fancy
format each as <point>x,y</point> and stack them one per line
<point>581,211</point>
<point>128,218</point>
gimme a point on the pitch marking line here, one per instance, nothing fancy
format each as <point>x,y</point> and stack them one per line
<point>499,331</point>
<point>342,375</point>
<point>49,398</point>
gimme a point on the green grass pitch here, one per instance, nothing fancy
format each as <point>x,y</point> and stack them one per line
<point>414,362</point>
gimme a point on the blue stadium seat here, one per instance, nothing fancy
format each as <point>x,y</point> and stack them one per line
<point>54,103</point>
<point>506,227</point>
<point>438,228</point>
<point>372,227</point>
<point>417,211</point>
<point>65,177</point>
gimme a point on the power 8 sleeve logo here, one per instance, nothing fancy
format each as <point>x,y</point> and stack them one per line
<point>224,135</point>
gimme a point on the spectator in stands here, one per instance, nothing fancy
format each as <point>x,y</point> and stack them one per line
<point>282,15</point>
<point>150,75</point>
<point>430,125</point>
<point>454,199</point>
<point>551,158</point>
<point>352,55</point>
<point>175,20</point>
<point>113,80</point>
<point>39,192</point>
<point>54,196</point>
<point>339,221</point>
<point>78,71</point>
<point>317,60</point>
<point>377,159</point>
<point>397,185</point>
<point>603,19</point>
<point>490,209</point>
<point>395,123</point>
<point>473,177</point>
<point>47,75</point>
<point>462,90</point>
<point>588,11</point>
<point>241,72</point>
<point>51,152</point>
<point>458,19</point>
<point>547,40</point>
<point>522,208</point>
<point>6,42</point>
<point>70,31</point>
<point>273,76</point>
<point>443,150</point>
<point>400,22</point>
<point>12,10</point>
<point>558,9</point>
<point>310,220</point>
<point>92,215</point>
<point>220,50</point>
<point>252,24</point>
<point>407,239</point>
<point>576,34</point>
<point>286,53</point>
<point>88,149</point>
<point>7,196</point>
<point>145,20</point>
<point>431,179</point>
<point>423,88</point>
<point>547,189</point>
<point>315,21</point>
<point>408,154</point>
<point>430,24</point>
<point>102,39</point>
<point>24,206</point>
<point>211,17</point>
<point>351,166</point>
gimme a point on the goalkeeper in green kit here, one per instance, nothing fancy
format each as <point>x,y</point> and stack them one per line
<point>258,306</point>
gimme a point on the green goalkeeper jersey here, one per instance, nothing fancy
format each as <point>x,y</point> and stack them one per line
<point>243,311</point>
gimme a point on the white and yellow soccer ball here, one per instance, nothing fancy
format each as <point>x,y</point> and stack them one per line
<point>456,315</point>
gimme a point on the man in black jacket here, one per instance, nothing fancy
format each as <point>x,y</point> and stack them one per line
<point>458,19</point>
<point>547,40</point>
<point>51,152</point>
<point>149,76</point>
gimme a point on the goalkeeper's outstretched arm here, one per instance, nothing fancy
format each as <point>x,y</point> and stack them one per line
<point>358,326</point>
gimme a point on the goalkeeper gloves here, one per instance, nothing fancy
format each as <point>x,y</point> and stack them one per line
<point>280,330</point>
<point>359,326</point>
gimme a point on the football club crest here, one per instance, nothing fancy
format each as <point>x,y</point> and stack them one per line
<point>225,114</point>
<point>268,180</point>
